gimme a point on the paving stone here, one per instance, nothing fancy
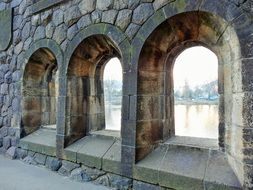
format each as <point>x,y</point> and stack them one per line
<point>183,167</point>
<point>80,175</point>
<point>219,172</point>
<point>93,150</point>
<point>53,163</point>
<point>120,182</point>
<point>29,160</point>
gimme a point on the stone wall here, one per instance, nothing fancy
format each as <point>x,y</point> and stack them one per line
<point>125,29</point>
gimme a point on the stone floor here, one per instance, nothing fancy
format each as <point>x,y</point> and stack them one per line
<point>15,175</point>
<point>187,167</point>
<point>180,163</point>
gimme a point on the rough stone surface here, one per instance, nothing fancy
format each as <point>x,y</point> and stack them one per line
<point>67,167</point>
<point>40,158</point>
<point>12,152</point>
<point>53,163</point>
<point>31,87</point>
<point>142,12</point>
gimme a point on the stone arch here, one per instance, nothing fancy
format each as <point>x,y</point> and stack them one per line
<point>105,41</point>
<point>39,85</point>
<point>231,38</point>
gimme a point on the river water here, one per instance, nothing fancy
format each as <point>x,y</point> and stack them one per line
<point>190,120</point>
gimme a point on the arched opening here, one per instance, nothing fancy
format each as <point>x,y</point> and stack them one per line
<point>112,81</point>
<point>39,92</point>
<point>196,97</point>
<point>85,87</point>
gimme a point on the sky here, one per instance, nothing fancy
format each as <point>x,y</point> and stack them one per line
<point>113,70</point>
<point>196,65</point>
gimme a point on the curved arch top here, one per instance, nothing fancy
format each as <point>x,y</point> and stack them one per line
<point>214,7</point>
<point>112,32</point>
<point>44,43</point>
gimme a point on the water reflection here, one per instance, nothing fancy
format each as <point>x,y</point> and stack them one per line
<point>196,120</point>
<point>113,116</point>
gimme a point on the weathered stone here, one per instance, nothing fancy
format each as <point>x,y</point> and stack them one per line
<point>49,30</point>
<point>18,48</point>
<point>159,3</point>
<point>119,5</point>
<point>103,180</point>
<point>67,167</point>
<point>3,57</point>
<point>109,16</point>
<point>84,21</point>
<point>35,20</point>
<point>80,175</point>
<point>58,16</point>
<point>132,30</point>
<point>17,22</point>
<point>6,142</point>
<point>29,160</point>
<point>53,163</point>
<point>72,15</point>
<point>87,6</point>
<point>96,16</point>
<point>4,88</point>
<point>120,182</point>
<point>40,158</point>
<point>17,36</point>
<point>1,141</point>
<point>123,18</point>
<point>8,77</point>
<point>132,4</point>
<point>21,154</point>
<point>11,153</point>
<point>72,31</point>
<point>142,13</point>
<point>104,4</point>
<point>138,185</point>
<point>14,141</point>
<point>60,33</point>
<point>40,33</point>
<point>46,17</point>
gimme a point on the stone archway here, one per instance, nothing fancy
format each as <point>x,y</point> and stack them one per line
<point>224,37</point>
<point>40,86</point>
<point>92,46</point>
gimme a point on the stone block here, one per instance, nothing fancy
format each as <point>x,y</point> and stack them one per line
<point>21,154</point>
<point>138,185</point>
<point>92,153</point>
<point>111,161</point>
<point>219,173</point>
<point>104,4</point>
<point>67,167</point>
<point>124,19</point>
<point>53,163</point>
<point>147,169</point>
<point>183,168</point>
<point>12,153</point>
<point>142,13</point>
<point>80,175</point>
<point>119,182</point>
<point>40,158</point>
<point>6,142</point>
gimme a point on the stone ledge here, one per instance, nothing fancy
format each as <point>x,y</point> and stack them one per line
<point>42,141</point>
<point>44,4</point>
<point>181,167</point>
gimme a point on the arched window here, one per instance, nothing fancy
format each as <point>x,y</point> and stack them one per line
<point>112,80</point>
<point>196,93</point>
